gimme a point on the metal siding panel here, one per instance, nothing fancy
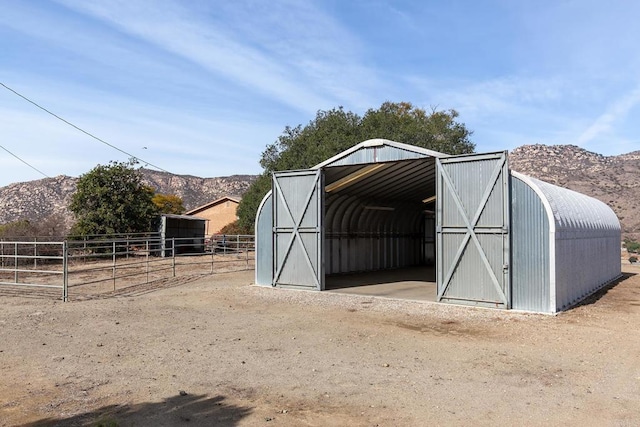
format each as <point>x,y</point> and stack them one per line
<point>447,251</point>
<point>473,187</point>
<point>387,153</point>
<point>471,281</point>
<point>584,265</point>
<point>296,271</point>
<point>493,214</point>
<point>530,280</point>
<point>371,239</point>
<point>469,179</point>
<point>376,154</point>
<point>587,242</point>
<point>264,244</point>
<point>295,188</point>
<point>451,216</point>
<point>297,227</point>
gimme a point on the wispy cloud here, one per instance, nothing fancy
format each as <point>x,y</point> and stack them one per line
<point>616,112</point>
<point>177,141</point>
<point>206,85</point>
<point>505,96</point>
<point>293,69</point>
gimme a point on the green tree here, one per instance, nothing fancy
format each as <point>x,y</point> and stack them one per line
<point>336,130</point>
<point>251,199</point>
<point>168,203</point>
<point>112,199</point>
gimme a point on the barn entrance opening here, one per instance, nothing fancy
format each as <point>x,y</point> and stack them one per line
<point>379,229</point>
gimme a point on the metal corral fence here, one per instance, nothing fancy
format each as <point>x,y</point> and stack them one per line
<point>104,264</point>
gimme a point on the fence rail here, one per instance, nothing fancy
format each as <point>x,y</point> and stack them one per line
<point>19,265</point>
<point>107,264</point>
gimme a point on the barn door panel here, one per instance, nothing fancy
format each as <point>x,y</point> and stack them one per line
<point>472,226</point>
<point>297,229</point>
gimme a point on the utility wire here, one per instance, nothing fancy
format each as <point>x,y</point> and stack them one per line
<point>25,162</point>
<point>81,130</point>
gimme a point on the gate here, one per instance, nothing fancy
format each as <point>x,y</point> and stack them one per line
<point>298,212</point>
<point>472,229</point>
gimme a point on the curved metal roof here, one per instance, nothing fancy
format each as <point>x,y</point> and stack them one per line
<point>569,210</point>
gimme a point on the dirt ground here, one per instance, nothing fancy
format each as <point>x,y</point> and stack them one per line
<point>215,351</point>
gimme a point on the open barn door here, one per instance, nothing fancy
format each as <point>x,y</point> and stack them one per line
<point>472,227</point>
<point>297,229</point>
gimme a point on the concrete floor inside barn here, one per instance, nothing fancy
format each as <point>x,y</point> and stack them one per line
<point>414,283</point>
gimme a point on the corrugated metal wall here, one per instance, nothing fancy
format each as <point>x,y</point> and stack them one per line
<point>587,248</point>
<point>264,244</point>
<point>530,275</point>
<point>369,235</point>
<point>189,230</point>
<point>297,227</point>
<point>473,204</point>
<point>377,154</point>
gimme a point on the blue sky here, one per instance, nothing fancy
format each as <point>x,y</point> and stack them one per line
<point>201,87</point>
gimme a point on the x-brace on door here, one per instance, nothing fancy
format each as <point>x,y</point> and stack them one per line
<point>472,229</point>
<point>298,214</point>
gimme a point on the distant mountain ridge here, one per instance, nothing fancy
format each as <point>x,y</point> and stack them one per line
<point>42,198</point>
<point>615,180</point>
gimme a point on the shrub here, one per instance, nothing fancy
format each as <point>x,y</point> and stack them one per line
<point>632,246</point>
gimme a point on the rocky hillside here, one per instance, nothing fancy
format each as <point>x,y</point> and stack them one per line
<point>47,197</point>
<point>615,180</point>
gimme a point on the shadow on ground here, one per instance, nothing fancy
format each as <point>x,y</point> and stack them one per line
<point>37,293</point>
<point>191,410</point>
<point>76,292</point>
<point>595,297</point>
<point>408,274</point>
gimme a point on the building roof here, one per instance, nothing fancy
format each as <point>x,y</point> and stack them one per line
<point>187,217</point>
<point>378,150</point>
<point>214,203</point>
<point>570,210</point>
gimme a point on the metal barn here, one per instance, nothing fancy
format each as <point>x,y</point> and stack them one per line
<point>478,233</point>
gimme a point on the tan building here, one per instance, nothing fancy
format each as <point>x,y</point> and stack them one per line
<point>218,213</point>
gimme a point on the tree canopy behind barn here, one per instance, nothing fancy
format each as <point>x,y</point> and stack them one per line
<point>336,130</point>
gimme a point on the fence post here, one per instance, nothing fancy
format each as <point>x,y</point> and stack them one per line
<point>15,262</point>
<point>113,272</point>
<point>35,253</point>
<point>213,252</point>
<point>147,260</point>
<point>65,272</point>
<point>246,249</point>
<point>173,255</point>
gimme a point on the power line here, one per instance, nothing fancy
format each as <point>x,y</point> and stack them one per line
<point>81,130</point>
<point>25,162</point>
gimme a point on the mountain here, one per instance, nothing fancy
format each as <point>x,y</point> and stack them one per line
<point>48,197</point>
<point>615,180</point>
